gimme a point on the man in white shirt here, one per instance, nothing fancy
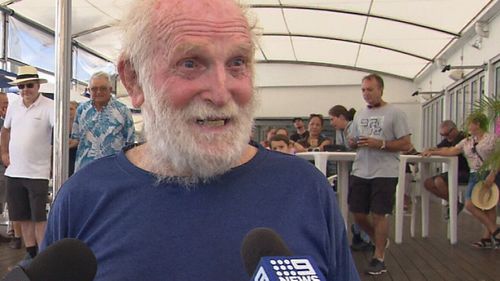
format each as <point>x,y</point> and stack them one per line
<point>26,150</point>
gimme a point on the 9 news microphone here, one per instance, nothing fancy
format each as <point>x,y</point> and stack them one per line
<point>66,260</point>
<point>267,258</point>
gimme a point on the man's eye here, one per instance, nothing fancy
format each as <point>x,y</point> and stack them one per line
<point>189,63</point>
<point>237,62</point>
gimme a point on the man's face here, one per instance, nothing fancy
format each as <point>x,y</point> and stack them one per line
<point>298,124</point>
<point>280,146</point>
<point>100,91</point>
<point>198,110</point>
<point>446,132</point>
<point>4,103</point>
<point>372,93</point>
<point>29,91</point>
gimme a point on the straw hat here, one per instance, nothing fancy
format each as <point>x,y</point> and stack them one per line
<point>25,74</point>
<point>484,198</point>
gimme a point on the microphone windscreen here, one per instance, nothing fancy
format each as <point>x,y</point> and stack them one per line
<point>66,260</point>
<point>261,242</point>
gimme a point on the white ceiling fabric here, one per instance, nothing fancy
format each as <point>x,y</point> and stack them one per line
<point>398,37</point>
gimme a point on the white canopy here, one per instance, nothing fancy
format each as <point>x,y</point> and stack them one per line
<point>398,37</point>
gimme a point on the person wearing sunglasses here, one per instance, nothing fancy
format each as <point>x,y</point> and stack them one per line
<point>476,148</point>
<point>438,185</point>
<point>26,152</point>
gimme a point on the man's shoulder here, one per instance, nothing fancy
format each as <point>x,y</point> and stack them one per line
<point>84,105</point>
<point>98,170</point>
<point>461,135</point>
<point>118,104</point>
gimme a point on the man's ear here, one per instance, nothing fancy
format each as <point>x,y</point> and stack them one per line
<point>128,78</point>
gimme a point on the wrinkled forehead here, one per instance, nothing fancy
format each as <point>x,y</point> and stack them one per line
<point>211,17</point>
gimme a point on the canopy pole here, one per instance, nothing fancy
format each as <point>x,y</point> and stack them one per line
<point>62,94</point>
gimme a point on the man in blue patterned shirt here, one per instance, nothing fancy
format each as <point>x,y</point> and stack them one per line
<point>103,125</point>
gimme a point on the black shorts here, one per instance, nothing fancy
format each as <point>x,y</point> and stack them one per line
<point>463,177</point>
<point>375,195</point>
<point>27,199</point>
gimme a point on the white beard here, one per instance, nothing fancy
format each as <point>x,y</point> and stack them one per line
<point>177,152</point>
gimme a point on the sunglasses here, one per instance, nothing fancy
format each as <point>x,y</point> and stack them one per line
<point>29,86</point>
<point>474,150</point>
<point>447,133</point>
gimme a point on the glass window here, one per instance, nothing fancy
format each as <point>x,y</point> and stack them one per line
<point>497,81</point>
<point>31,45</point>
<point>452,110</point>
<point>467,100</point>
<point>1,35</point>
<point>459,107</point>
<point>481,87</point>
<point>475,92</point>
<point>85,64</point>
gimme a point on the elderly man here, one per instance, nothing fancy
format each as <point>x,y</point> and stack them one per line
<point>102,126</point>
<point>26,151</point>
<point>438,185</point>
<point>379,132</point>
<point>196,186</point>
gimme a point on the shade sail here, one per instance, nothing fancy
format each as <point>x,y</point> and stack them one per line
<point>398,37</point>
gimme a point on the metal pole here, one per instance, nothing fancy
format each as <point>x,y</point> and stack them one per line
<point>62,93</point>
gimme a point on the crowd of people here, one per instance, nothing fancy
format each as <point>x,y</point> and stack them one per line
<point>199,184</point>
<point>378,134</point>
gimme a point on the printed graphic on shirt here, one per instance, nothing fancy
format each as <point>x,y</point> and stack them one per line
<point>371,127</point>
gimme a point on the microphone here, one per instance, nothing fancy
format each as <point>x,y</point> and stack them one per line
<point>66,260</point>
<point>267,258</point>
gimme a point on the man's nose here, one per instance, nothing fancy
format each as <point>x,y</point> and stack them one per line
<point>219,92</point>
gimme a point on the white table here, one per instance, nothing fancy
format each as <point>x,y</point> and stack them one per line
<point>425,166</point>
<point>343,159</point>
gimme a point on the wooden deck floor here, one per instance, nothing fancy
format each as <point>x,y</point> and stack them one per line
<point>416,259</point>
<point>433,258</point>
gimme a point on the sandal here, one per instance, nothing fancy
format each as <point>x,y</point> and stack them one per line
<point>495,240</point>
<point>482,244</point>
<point>495,234</point>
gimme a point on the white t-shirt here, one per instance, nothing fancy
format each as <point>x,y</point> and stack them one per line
<point>385,123</point>
<point>30,138</point>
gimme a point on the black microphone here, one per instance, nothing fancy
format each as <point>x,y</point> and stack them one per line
<point>266,257</point>
<point>261,242</point>
<point>66,260</point>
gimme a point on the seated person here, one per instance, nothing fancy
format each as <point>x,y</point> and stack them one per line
<point>315,141</point>
<point>477,148</point>
<point>270,132</point>
<point>282,144</point>
<point>438,185</point>
<point>294,146</point>
<point>341,120</point>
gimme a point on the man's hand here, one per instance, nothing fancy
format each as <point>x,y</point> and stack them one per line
<point>370,142</point>
<point>427,153</point>
<point>6,159</point>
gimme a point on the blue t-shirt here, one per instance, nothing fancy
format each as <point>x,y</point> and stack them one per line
<point>142,231</point>
<point>101,133</point>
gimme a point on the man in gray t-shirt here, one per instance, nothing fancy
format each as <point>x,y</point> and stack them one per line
<point>379,132</point>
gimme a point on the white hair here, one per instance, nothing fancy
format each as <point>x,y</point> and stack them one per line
<point>176,153</point>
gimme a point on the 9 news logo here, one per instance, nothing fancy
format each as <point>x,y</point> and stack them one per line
<point>286,269</point>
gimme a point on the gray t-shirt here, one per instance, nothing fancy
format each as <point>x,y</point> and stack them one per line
<point>386,122</point>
